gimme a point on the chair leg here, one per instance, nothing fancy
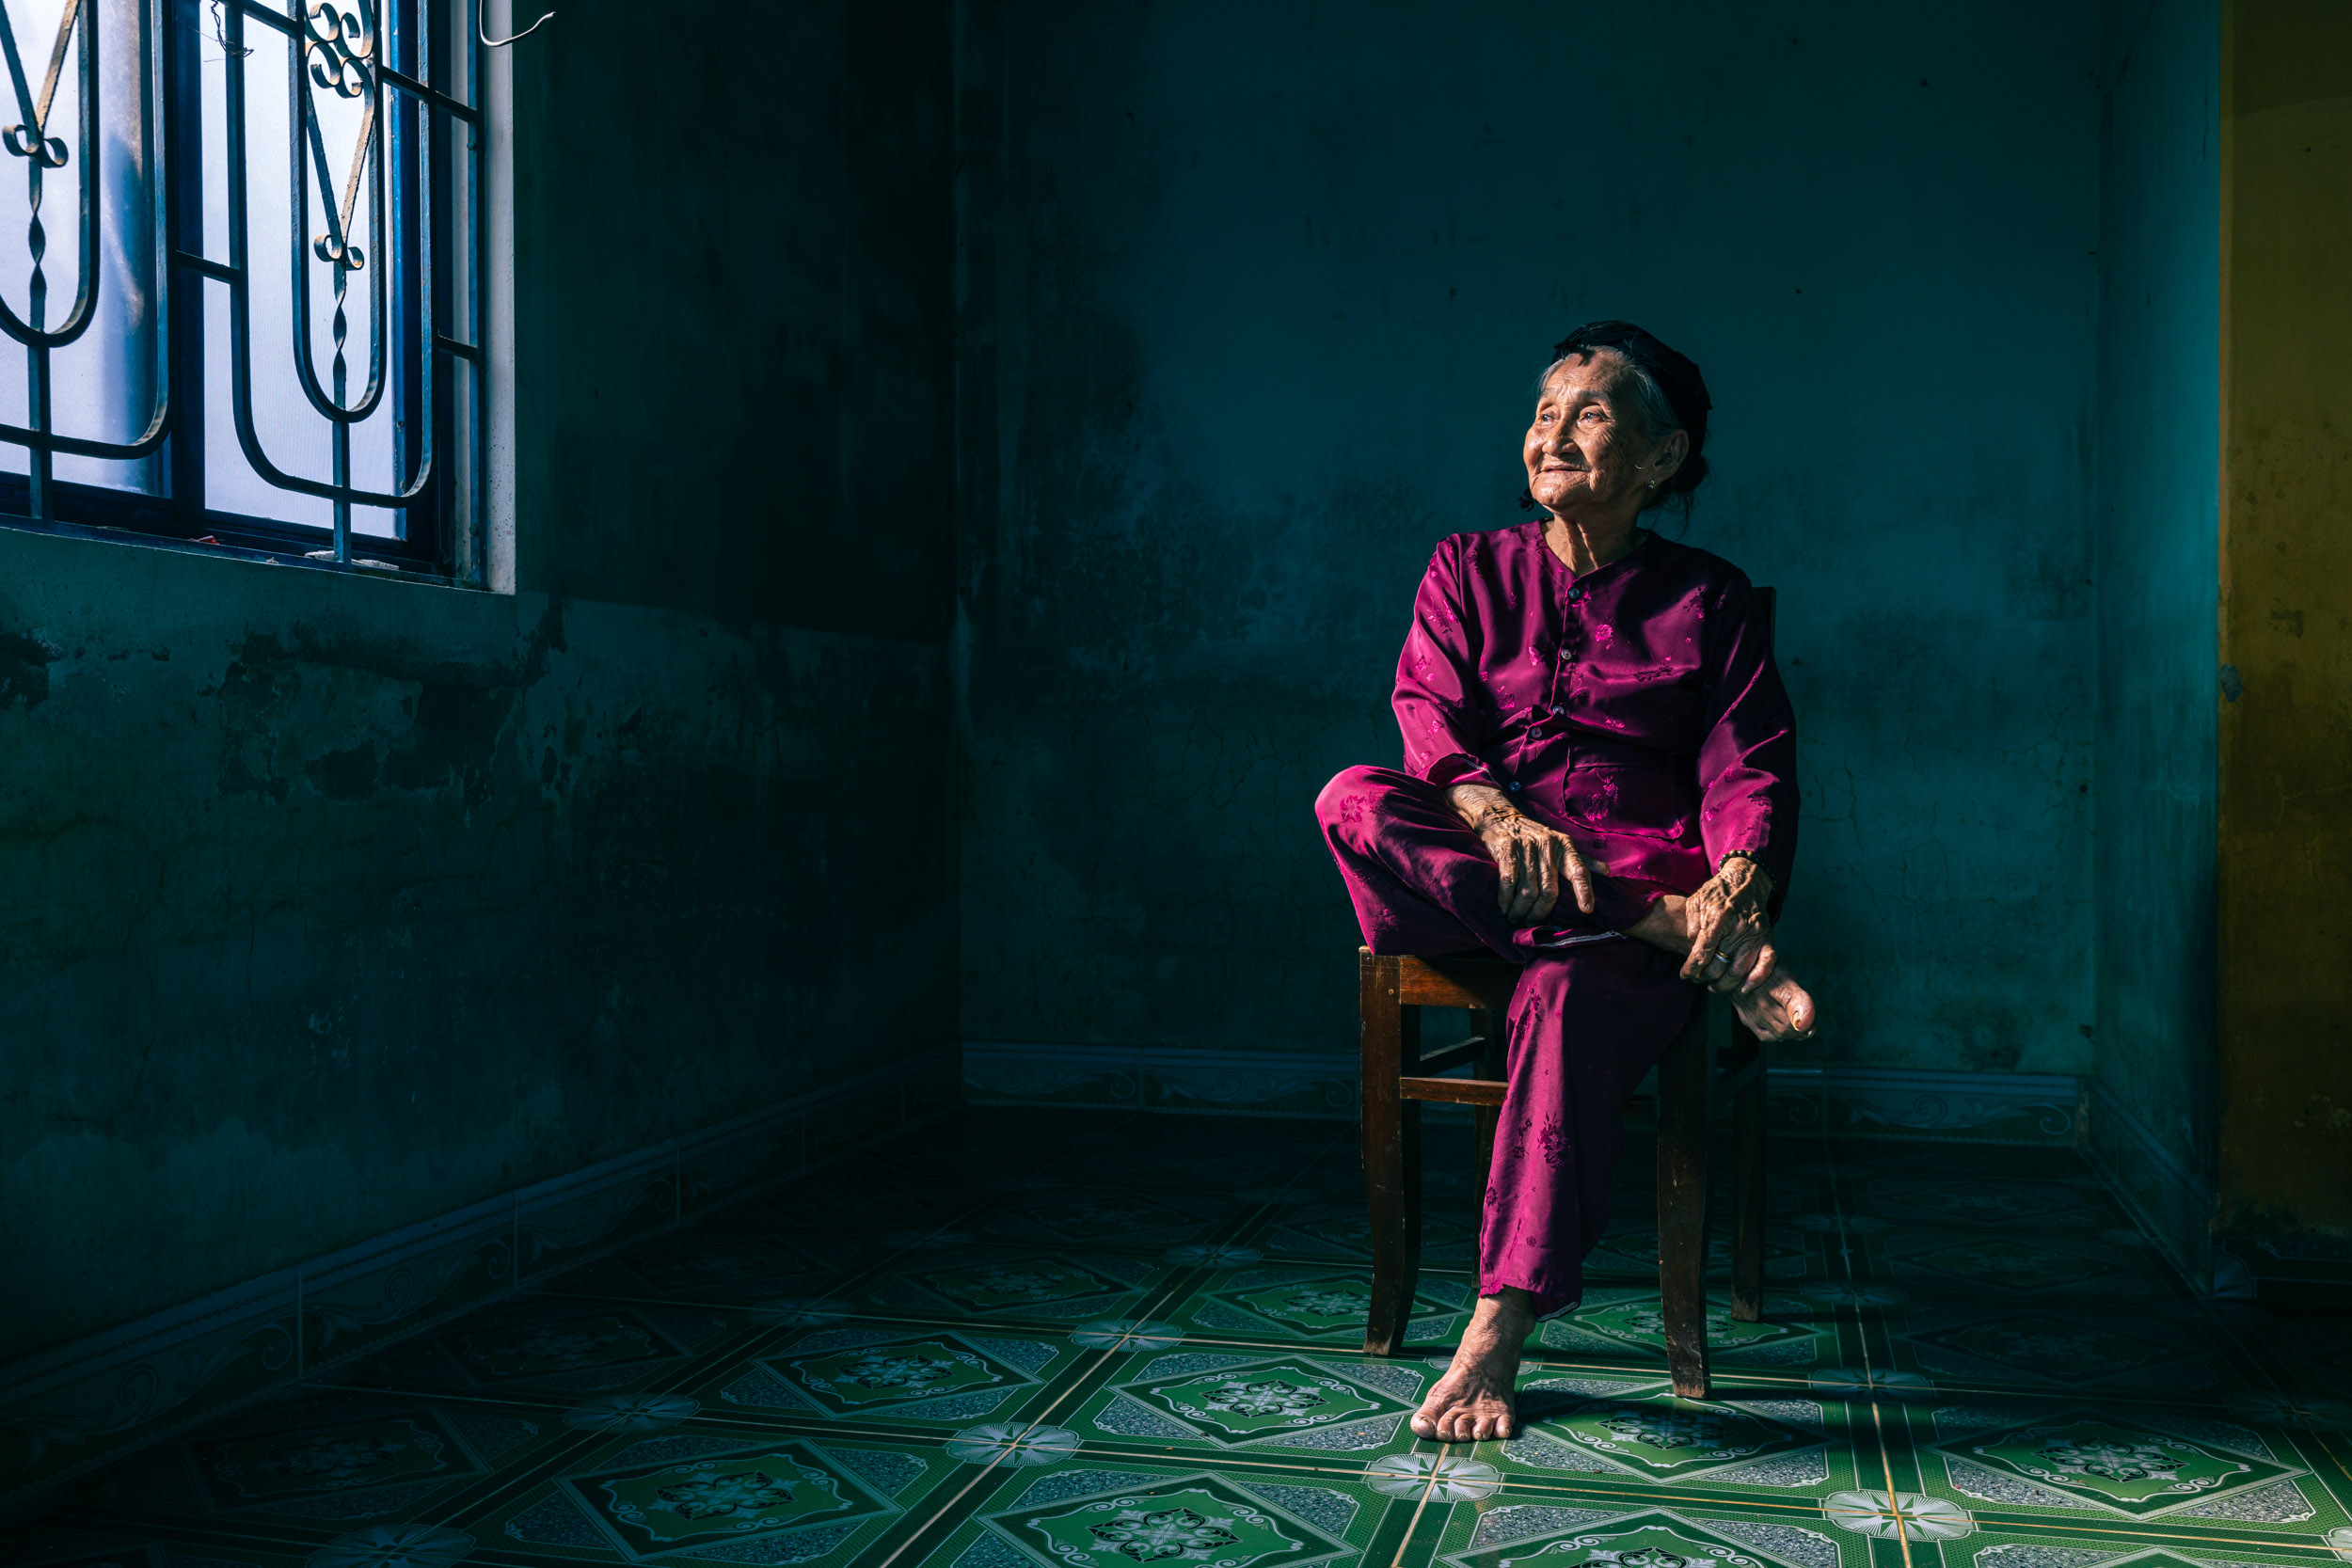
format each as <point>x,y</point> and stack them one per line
<point>1747,1214</point>
<point>1392,1130</point>
<point>1682,1092</point>
<point>1487,1025</point>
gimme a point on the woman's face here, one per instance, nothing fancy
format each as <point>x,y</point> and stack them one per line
<point>1587,452</point>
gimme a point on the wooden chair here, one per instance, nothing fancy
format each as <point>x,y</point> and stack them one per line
<point>1398,1078</point>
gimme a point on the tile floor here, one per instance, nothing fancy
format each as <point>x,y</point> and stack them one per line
<point>1047,1340</point>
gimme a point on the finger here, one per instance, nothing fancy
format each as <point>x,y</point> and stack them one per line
<point>1548,884</point>
<point>1760,973</point>
<point>1700,967</point>
<point>1706,928</point>
<point>1581,879</point>
<point>1519,880</point>
<point>1734,961</point>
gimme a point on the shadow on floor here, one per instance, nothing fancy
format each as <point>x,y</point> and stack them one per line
<point>1048,1341</point>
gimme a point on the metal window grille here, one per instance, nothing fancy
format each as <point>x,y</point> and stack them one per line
<point>270,217</point>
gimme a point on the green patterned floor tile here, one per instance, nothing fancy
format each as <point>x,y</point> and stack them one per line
<point>1271,1398</point>
<point>730,1264</point>
<point>766,1491</point>
<point>2024,1265</point>
<point>2066,1349</point>
<point>2004,1205</point>
<point>1201,1518</point>
<point>275,1467</point>
<point>1541,1535</point>
<point>1629,1252</point>
<point>1633,1324</point>
<point>1657,1437</point>
<point>1116,1219</point>
<point>869,1375</point>
<point>2114,1463</point>
<point>1223,1400</point>
<point>1344,1232</point>
<point>1320,1305</point>
<point>1022,1283</point>
<point>789,1517</point>
<point>548,1346</point>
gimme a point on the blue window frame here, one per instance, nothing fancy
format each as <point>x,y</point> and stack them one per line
<point>263,216</point>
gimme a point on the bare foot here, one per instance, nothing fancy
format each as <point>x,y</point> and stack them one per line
<point>1477,1397</point>
<point>1781,1010</point>
<point>1776,1010</point>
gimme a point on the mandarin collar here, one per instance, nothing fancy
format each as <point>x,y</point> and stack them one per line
<point>1592,579</point>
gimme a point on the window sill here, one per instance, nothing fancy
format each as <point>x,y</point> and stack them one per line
<point>291,555</point>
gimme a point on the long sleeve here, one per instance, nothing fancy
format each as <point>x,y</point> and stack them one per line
<point>1437,709</point>
<point>1747,763</point>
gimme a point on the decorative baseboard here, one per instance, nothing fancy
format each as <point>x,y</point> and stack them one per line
<point>2016,1108</point>
<point>2044,1109</point>
<point>2171,1201</point>
<point>1317,1084</point>
<point>70,1409</point>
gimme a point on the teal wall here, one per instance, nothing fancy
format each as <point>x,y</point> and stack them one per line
<point>1252,301</point>
<point>2159,435</point>
<point>336,904</point>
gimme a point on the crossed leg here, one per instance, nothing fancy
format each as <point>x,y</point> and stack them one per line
<point>1570,1075</point>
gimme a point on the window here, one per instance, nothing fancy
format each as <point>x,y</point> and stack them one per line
<point>237,246</point>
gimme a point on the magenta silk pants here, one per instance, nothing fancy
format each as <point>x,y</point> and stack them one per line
<point>1585,1022</point>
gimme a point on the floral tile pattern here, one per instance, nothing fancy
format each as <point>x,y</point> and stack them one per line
<point>664,1507</point>
<point>277,1467</point>
<point>1119,1341</point>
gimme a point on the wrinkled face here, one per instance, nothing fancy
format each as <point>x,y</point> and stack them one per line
<point>1587,451</point>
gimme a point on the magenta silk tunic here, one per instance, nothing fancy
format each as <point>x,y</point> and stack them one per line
<point>1637,709</point>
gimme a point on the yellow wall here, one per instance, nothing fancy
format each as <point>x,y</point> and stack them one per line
<point>2285,862</point>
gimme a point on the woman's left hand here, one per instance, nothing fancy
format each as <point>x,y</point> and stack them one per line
<point>1731,937</point>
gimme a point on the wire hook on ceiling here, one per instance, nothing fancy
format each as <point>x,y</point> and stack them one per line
<point>500,43</point>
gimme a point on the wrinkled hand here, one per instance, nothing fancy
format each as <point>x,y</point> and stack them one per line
<point>1731,937</point>
<point>1536,863</point>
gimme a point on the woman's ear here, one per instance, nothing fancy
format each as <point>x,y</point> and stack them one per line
<point>1670,453</point>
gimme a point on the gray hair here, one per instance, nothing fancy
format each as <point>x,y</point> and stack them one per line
<point>1650,403</point>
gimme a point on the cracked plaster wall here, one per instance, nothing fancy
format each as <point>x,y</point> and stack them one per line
<point>1252,300</point>
<point>336,904</point>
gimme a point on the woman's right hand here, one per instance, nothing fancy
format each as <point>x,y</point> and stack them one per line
<point>1536,863</point>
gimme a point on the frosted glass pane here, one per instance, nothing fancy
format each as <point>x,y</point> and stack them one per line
<point>103,384</point>
<point>291,433</point>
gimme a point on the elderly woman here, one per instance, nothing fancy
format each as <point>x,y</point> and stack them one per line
<point>1599,783</point>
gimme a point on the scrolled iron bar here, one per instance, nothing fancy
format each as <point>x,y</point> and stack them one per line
<point>336,50</point>
<point>31,139</point>
<point>321,53</point>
